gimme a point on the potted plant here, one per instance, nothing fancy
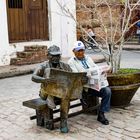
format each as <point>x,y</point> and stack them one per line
<point>116,19</point>
<point>124,84</point>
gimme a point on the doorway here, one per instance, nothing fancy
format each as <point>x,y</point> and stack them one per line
<point>27,20</point>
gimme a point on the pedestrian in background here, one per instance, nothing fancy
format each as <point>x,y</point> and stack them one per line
<point>91,34</point>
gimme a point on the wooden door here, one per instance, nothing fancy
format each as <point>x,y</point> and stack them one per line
<point>27,20</point>
<point>37,19</point>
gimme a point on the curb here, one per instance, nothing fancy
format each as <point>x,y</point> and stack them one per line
<point>132,47</point>
<point>129,49</point>
<point>11,70</point>
<point>15,73</point>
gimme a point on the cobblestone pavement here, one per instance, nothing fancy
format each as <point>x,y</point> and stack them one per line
<point>16,125</point>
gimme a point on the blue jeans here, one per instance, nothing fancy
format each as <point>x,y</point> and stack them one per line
<point>105,94</point>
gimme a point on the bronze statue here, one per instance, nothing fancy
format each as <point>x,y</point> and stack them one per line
<point>58,81</point>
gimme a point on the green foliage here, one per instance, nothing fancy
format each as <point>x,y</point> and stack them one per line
<point>127,70</point>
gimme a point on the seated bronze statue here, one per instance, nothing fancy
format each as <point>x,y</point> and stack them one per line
<point>57,80</point>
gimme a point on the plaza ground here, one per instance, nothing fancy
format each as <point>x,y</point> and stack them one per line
<point>16,125</point>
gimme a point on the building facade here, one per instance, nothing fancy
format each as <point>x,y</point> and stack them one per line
<point>35,22</point>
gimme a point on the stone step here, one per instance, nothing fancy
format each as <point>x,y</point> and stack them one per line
<point>133,40</point>
<point>25,54</point>
<point>35,48</point>
<point>31,55</point>
<point>132,43</point>
<point>25,61</point>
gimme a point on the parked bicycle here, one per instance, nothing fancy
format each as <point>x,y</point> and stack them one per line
<point>90,45</point>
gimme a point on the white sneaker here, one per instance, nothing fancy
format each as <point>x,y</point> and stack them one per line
<point>50,102</point>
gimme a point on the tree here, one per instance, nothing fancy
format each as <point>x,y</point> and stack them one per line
<point>114,18</point>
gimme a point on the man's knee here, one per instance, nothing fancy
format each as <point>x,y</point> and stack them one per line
<point>106,92</point>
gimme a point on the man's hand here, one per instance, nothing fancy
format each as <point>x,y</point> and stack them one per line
<point>105,69</point>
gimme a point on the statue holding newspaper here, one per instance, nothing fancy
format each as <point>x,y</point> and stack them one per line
<point>97,78</point>
<point>58,81</point>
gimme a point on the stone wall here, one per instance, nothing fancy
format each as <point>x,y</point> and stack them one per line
<point>85,16</point>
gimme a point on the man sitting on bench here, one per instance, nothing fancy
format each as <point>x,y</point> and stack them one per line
<point>54,56</point>
<point>83,63</point>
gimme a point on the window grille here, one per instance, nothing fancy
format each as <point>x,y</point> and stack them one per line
<point>15,3</point>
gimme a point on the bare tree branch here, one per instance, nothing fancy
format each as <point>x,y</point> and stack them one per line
<point>114,23</point>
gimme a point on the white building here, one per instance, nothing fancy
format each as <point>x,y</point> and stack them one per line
<point>61,29</point>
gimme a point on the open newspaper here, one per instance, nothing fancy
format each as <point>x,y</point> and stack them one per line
<point>66,85</point>
<point>97,77</point>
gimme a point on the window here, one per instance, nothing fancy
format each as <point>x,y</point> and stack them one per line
<point>15,3</point>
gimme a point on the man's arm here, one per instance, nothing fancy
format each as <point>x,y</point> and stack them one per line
<point>38,75</point>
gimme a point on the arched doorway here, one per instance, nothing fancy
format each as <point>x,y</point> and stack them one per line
<point>27,20</point>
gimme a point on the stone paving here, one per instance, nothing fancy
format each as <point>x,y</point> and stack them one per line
<point>16,125</point>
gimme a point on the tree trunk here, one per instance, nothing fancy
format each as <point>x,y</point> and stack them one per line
<point>115,57</point>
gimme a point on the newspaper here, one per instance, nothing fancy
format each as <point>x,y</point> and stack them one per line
<point>97,77</point>
<point>66,85</point>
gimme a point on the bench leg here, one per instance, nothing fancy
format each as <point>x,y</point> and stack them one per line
<point>45,118</point>
<point>48,119</point>
<point>40,118</point>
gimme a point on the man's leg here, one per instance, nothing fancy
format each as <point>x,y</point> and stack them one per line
<point>64,109</point>
<point>105,94</point>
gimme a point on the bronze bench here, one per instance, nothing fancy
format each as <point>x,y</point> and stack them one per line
<point>45,116</point>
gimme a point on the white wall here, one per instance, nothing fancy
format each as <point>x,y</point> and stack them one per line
<point>68,28</point>
<point>63,28</point>
<point>62,31</point>
<point>4,45</point>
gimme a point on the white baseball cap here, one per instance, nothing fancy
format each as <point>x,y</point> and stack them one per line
<point>79,46</point>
